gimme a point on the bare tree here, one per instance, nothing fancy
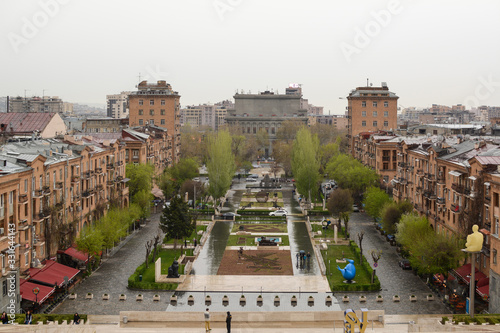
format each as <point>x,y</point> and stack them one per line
<point>376,254</point>
<point>360,239</point>
<point>156,242</point>
<point>148,245</point>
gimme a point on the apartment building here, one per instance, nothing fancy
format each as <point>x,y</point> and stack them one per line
<point>117,105</point>
<point>212,116</point>
<point>337,121</point>
<point>156,104</point>
<point>28,124</point>
<point>44,104</point>
<point>371,109</point>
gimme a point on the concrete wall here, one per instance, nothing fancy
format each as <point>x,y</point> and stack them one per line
<point>494,306</point>
<point>267,105</point>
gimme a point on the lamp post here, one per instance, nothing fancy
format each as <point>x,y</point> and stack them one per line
<point>473,246</point>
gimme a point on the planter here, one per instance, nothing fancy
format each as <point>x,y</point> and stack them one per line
<point>89,296</point>
<point>396,298</point>
<point>105,297</point>
<point>362,298</point>
<point>430,297</point>
<point>294,301</point>
<point>139,298</point>
<point>173,299</point>
<point>123,297</point>
<point>328,300</point>
<point>156,298</point>
<point>225,300</point>
<point>380,298</point>
<point>72,296</point>
<point>345,299</point>
<point>413,298</point>
<point>310,301</point>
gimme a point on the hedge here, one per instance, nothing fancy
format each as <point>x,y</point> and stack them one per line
<point>318,212</point>
<point>491,319</point>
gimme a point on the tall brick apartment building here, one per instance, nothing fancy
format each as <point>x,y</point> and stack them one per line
<point>157,104</point>
<point>371,109</point>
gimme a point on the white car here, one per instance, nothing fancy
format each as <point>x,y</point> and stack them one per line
<point>279,212</point>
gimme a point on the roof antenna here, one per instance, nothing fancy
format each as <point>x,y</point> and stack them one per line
<point>367,82</point>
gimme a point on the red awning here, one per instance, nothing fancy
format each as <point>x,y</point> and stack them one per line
<point>484,291</point>
<point>477,276</point>
<point>27,287</point>
<point>439,277</point>
<point>463,271</point>
<point>53,273</point>
<point>72,252</point>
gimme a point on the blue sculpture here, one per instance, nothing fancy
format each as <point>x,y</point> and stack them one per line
<point>349,272</point>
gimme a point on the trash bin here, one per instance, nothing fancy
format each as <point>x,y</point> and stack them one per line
<point>140,278</point>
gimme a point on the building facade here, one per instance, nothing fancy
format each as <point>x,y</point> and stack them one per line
<point>117,105</point>
<point>156,104</point>
<point>371,109</point>
<point>35,104</point>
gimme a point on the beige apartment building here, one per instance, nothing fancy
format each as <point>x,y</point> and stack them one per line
<point>157,104</point>
<point>371,109</point>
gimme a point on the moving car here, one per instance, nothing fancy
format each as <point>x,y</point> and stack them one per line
<point>405,264</point>
<point>279,212</point>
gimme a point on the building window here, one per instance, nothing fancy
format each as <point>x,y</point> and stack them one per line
<point>162,112</point>
<point>4,287</point>
<point>26,258</point>
<point>363,123</point>
<point>151,112</point>
<point>162,102</point>
<point>151,102</point>
<point>494,256</point>
<point>374,104</point>
<point>141,102</point>
<point>25,185</point>
<point>151,121</point>
<point>386,113</point>
<point>375,113</point>
<point>363,104</point>
<point>497,227</point>
<point>162,121</point>
<point>363,113</point>
<point>141,112</point>
<point>386,123</point>
<point>386,104</point>
<point>375,124</point>
<point>255,130</point>
<point>141,122</point>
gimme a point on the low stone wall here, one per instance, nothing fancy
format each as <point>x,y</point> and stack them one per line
<point>315,316</point>
<point>159,278</point>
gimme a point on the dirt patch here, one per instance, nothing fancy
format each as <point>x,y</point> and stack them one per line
<point>256,262</point>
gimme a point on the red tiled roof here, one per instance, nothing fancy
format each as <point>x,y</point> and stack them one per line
<point>484,291</point>
<point>24,122</point>
<point>53,273</point>
<point>26,289</point>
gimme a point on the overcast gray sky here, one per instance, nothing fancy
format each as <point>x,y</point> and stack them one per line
<point>443,52</point>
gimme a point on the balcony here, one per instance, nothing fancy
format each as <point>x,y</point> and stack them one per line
<point>110,166</point>
<point>86,175</point>
<point>487,200</point>
<point>38,193</point>
<point>458,188</point>
<point>441,179</point>
<point>59,185</point>
<point>23,223</point>
<point>441,201</point>
<point>119,163</point>
<point>402,164</point>
<point>75,179</point>
<point>456,208</point>
<point>46,190</point>
<point>86,194</point>
<point>76,197</point>
<point>429,176</point>
<point>110,183</point>
<point>23,198</point>
<point>98,171</point>
<point>420,172</point>
<point>99,187</point>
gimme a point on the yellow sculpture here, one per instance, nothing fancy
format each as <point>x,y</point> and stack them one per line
<point>474,240</point>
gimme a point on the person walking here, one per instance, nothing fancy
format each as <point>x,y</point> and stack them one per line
<point>207,321</point>
<point>228,322</point>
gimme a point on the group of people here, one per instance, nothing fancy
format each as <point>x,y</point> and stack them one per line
<point>29,318</point>
<point>207,321</point>
<point>303,259</point>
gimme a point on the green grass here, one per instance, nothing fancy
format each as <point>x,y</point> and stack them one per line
<point>363,272</point>
<point>190,238</point>
<point>329,232</point>
<point>250,240</point>
<point>261,204</point>
<point>281,226</point>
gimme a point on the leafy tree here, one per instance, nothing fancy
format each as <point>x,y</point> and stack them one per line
<point>288,130</point>
<point>220,165</point>
<point>282,152</point>
<point>247,166</point>
<point>262,140</point>
<point>413,229</point>
<point>186,168</point>
<point>305,163</point>
<point>326,152</point>
<point>375,199</point>
<point>143,199</point>
<point>141,176</point>
<point>176,221</point>
<point>90,241</point>
<point>192,144</point>
<point>326,133</point>
<point>167,185</point>
<point>390,215</point>
<point>340,204</point>
<point>111,227</point>
<point>191,186</point>
<point>350,173</point>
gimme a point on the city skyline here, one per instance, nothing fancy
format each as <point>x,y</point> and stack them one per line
<point>209,49</point>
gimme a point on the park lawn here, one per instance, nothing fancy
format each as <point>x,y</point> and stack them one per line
<point>262,227</point>
<point>250,240</point>
<point>190,238</point>
<point>339,252</point>
<point>167,258</point>
<point>329,232</point>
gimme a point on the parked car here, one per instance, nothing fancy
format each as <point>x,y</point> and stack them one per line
<point>355,208</point>
<point>405,264</point>
<point>251,180</point>
<point>279,212</point>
